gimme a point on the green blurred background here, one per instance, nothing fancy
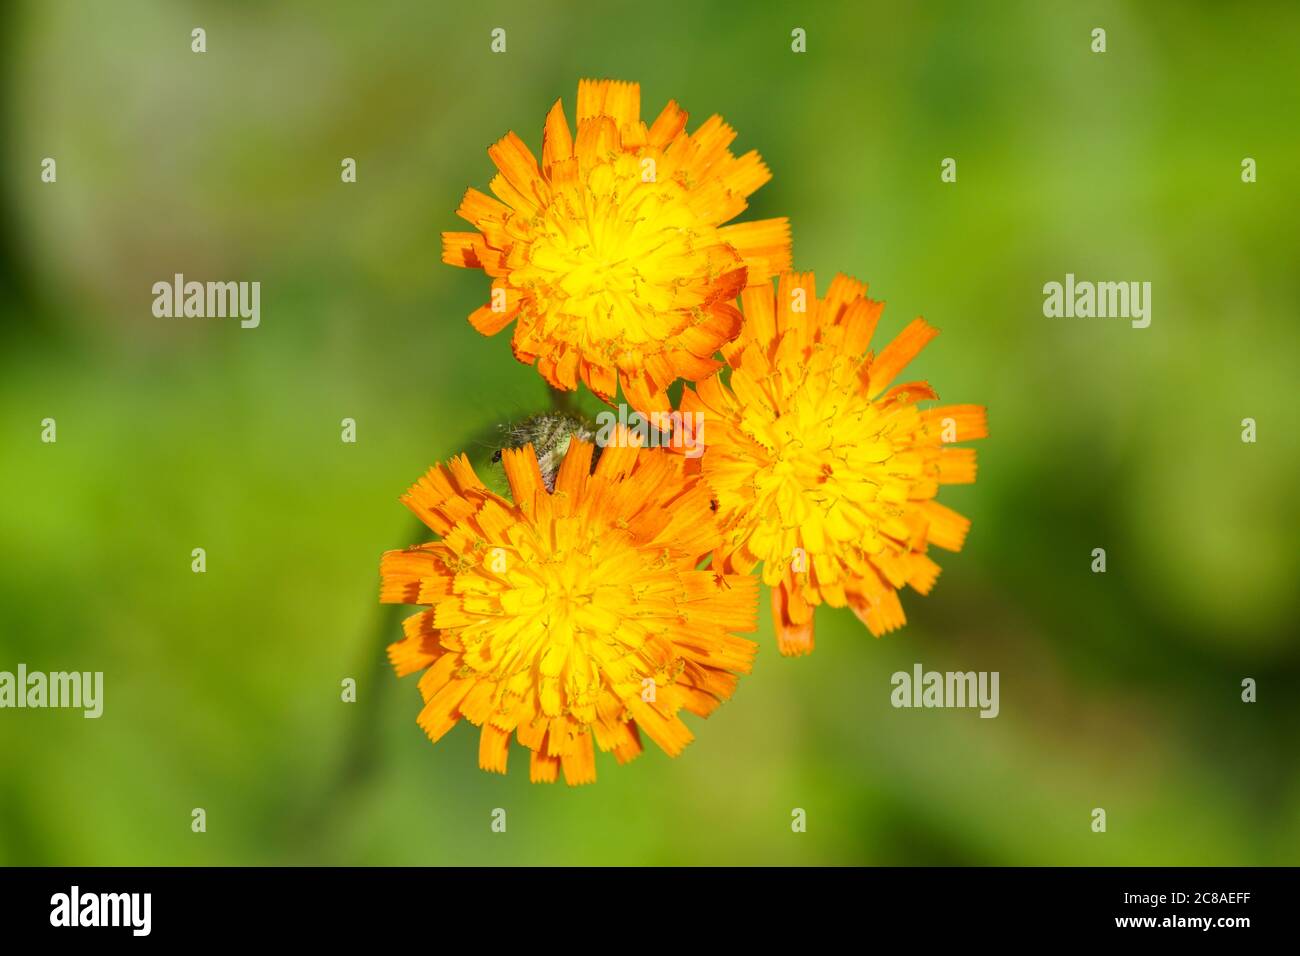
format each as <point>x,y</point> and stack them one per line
<point>1119,691</point>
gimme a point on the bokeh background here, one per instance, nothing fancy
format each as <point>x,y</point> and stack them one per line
<point>1119,691</point>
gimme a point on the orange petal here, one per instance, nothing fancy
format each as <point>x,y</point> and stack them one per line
<point>793,639</point>
<point>954,423</point>
<point>947,527</point>
<point>476,206</point>
<point>557,140</point>
<point>543,769</point>
<point>895,356</point>
<point>524,475</point>
<point>764,244</point>
<point>464,249</point>
<point>580,763</point>
<point>493,749</point>
<point>527,190</point>
<point>883,615</point>
<point>957,466</point>
<point>615,98</point>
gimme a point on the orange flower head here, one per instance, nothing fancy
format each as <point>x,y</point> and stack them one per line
<point>571,619</point>
<point>820,469</point>
<point>612,255</point>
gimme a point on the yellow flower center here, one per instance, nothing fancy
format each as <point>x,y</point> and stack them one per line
<point>558,598</point>
<point>831,472</point>
<point>615,260</point>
